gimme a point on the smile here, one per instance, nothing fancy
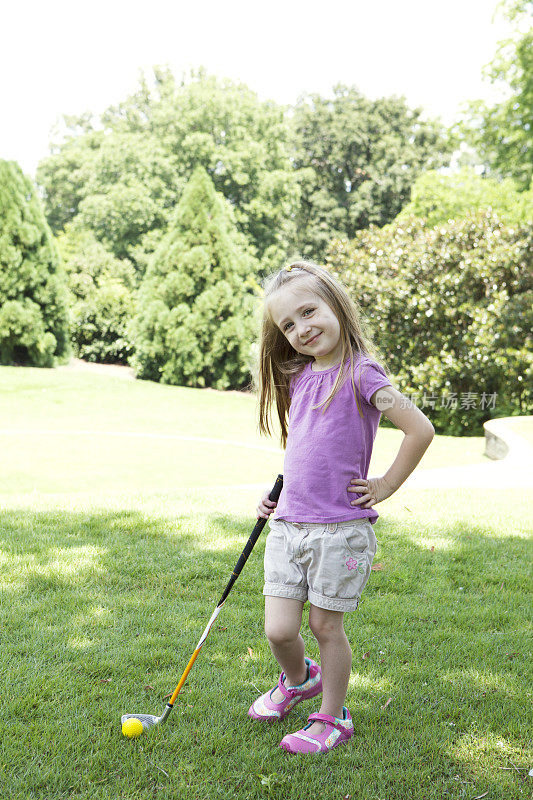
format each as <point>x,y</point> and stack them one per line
<point>310,341</point>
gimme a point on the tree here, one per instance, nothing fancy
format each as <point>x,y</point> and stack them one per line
<point>502,133</point>
<point>356,160</point>
<point>439,198</point>
<point>120,176</point>
<point>102,297</point>
<point>33,296</point>
<point>195,324</point>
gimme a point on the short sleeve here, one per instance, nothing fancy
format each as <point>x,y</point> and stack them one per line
<point>369,376</point>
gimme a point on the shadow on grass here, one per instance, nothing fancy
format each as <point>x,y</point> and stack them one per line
<point>94,605</point>
<point>67,570</point>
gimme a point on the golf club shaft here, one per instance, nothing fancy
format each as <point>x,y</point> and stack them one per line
<point>254,536</point>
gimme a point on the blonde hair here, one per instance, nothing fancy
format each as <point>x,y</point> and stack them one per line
<point>278,361</point>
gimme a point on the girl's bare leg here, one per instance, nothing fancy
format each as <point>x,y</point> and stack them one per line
<point>335,658</point>
<point>283,618</point>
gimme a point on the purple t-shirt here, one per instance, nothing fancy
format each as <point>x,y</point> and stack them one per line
<point>326,449</point>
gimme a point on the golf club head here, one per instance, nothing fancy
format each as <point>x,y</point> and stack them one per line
<point>147,720</point>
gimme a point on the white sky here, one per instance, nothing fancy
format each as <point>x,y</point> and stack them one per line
<point>65,57</point>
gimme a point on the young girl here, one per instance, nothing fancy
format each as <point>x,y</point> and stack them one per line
<point>319,367</point>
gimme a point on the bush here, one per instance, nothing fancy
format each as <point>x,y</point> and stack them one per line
<point>196,302</point>
<point>33,296</point>
<point>102,298</point>
<point>440,198</point>
<point>452,307</point>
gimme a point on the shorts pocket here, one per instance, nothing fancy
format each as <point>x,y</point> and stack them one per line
<point>358,538</point>
<point>275,555</point>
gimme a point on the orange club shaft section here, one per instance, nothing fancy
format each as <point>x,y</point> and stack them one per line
<point>194,656</point>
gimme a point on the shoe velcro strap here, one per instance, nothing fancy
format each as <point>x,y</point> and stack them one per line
<point>287,692</point>
<point>328,720</point>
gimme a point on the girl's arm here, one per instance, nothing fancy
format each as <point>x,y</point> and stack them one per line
<point>418,435</point>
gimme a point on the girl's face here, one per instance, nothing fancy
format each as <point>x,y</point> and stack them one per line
<point>307,322</point>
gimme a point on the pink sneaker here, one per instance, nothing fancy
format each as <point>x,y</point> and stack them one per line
<point>264,707</point>
<point>337,731</point>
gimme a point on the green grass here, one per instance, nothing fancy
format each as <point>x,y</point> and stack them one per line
<point>83,433</point>
<point>103,596</point>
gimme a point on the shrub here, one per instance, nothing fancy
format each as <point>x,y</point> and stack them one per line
<point>452,307</point>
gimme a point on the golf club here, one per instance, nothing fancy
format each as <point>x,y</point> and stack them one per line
<point>148,720</point>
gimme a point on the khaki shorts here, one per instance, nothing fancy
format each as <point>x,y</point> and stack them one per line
<point>325,563</point>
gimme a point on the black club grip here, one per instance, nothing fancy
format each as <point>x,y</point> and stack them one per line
<point>254,536</point>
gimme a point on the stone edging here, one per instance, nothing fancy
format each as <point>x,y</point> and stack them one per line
<point>502,442</point>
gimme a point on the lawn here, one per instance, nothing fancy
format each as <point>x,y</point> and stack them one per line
<point>114,550</point>
<point>76,433</point>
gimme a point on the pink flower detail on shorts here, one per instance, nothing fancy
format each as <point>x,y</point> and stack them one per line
<point>353,563</point>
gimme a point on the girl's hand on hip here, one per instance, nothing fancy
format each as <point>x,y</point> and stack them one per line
<point>373,490</point>
<point>266,506</point>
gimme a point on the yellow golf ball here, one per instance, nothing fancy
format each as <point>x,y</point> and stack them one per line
<point>132,728</point>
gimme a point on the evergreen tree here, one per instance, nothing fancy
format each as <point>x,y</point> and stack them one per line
<point>101,297</point>
<point>195,324</point>
<point>33,296</point>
